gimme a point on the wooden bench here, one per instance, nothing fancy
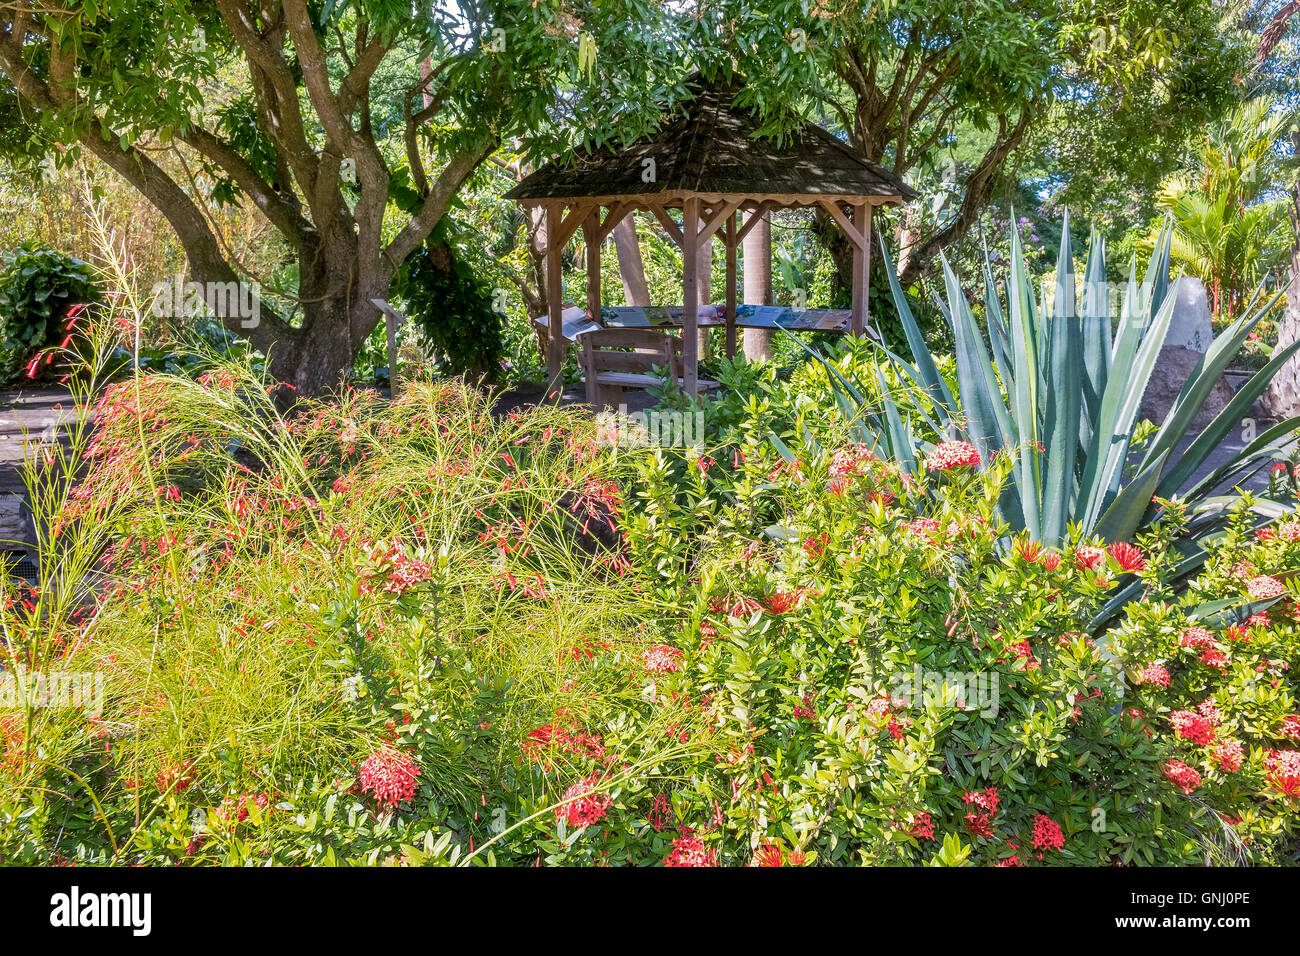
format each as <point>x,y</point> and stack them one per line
<point>617,359</point>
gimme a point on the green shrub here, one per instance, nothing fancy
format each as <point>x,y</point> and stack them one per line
<point>37,285</point>
<point>417,633</point>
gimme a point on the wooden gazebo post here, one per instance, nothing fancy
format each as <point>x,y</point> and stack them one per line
<point>555,348</point>
<point>690,291</point>
<point>858,231</point>
<point>729,239</point>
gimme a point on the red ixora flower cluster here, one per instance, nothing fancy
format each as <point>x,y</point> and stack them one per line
<point>1087,556</point>
<point>689,850</point>
<point>396,569</point>
<point>1192,726</point>
<point>1283,768</point>
<point>922,827</point>
<point>573,741</point>
<point>1128,556</point>
<point>583,806</point>
<point>779,602</point>
<point>952,454</point>
<point>1047,835</point>
<point>662,659</point>
<point>389,776</point>
<point>1229,755</point>
<point>771,854</point>
<point>1263,587</point>
<point>981,824</point>
<point>176,777</point>
<point>1182,776</point>
<point>1153,674</point>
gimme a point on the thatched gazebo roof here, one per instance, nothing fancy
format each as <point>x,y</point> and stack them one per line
<point>714,150</point>
<point>712,164</point>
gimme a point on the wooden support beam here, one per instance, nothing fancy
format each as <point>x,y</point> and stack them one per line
<point>753,218</point>
<point>666,221</point>
<point>616,214</point>
<point>565,226</point>
<point>851,229</point>
<point>729,239</point>
<point>721,216</point>
<point>691,297</point>
<point>555,351</point>
<point>590,232</point>
<point>860,231</point>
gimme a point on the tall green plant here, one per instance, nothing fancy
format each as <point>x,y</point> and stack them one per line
<point>1056,391</point>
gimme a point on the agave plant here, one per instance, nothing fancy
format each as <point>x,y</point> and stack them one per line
<point>1058,391</point>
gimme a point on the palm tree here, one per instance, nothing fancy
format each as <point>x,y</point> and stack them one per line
<point>1228,230</point>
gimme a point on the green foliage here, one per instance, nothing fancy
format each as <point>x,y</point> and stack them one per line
<point>37,286</point>
<point>418,634</point>
<point>454,311</point>
<point>1230,228</point>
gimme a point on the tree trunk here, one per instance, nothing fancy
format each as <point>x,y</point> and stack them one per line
<point>757,343</point>
<point>631,267</point>
<point>1283,396</point>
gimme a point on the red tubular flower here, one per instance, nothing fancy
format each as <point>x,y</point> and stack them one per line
<point>769,854</point>
<point>779,602</point>
<point>952,454</point>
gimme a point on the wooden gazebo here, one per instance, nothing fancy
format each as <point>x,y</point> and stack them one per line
<point>712,165</point>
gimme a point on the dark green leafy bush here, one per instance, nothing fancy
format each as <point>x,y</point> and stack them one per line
<point>37,286</point>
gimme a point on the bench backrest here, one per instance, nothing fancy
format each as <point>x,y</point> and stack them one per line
<point>607,350</point>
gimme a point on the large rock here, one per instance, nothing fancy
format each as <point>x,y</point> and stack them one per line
<point>1189,327</point>
<point>1172,369</point>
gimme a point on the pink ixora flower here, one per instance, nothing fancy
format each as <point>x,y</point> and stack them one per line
<point>389,776</point>
<point>1263,587</point>
<point>662,659</point>
<point>952,454</point>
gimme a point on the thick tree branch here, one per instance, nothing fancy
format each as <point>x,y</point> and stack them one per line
<point>282,209</point>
